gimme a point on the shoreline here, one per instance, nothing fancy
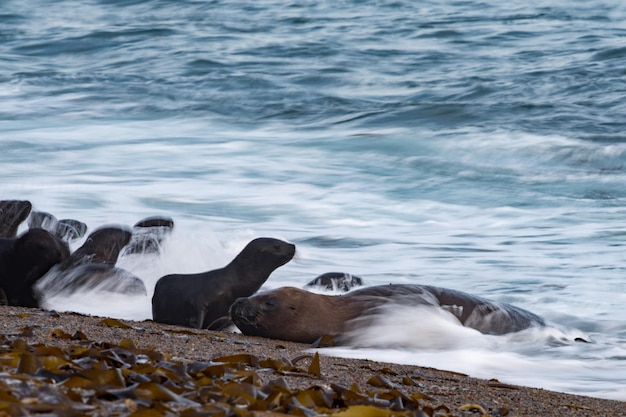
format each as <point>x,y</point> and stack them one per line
<point>323,384</point>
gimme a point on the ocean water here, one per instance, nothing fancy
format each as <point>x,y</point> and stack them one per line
<point>476,145</point>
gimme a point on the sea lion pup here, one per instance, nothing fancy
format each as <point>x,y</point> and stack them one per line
<point>67,230</point>
<point>12,214</point>
<point>103,246</point>
<point>202,300</point>
<point>297,315</point>
<point>24,260</point>
<point>336,281</point>
<point>92,267</point>
<point>148,235</point>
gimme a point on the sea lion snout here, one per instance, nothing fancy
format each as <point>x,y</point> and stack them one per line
<point>244,313</point>
<point>283,251</point>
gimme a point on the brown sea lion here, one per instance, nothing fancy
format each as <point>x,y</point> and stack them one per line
<point>24,260</point>
<point>297,315</point>
<point>202,300</point>
<point>12,214</point>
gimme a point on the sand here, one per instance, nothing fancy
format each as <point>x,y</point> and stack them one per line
<point>71,364</point>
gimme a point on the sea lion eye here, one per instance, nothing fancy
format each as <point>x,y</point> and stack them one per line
<point>270,303</point>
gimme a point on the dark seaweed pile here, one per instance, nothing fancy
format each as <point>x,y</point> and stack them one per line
<point>98,378</point>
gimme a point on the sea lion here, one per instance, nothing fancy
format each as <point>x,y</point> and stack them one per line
<point>199,300</point>
<point>102,246</point>
<point>92,267</point>
<point>297,315</point>
<point>148,235</point>
<point>24,260</point>
<point>336,281</point>
<point>12,214</point>
<point>66,229</point>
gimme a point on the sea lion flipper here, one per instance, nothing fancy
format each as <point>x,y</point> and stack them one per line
<point>12,214</point>
<point>195,320</point>
<point>221,323</point>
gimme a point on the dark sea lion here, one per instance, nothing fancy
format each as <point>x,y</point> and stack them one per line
<point>92,267</point>
<point>103,246</point>
<point>156,221</point>
<point>12,214</point>
<point>337,281</point>
<point>148,235</point>
<point>66,229</point>
<point>24,260</point>
<point>70,229</point>
<point>297,315</point>
<point>198,300</point>
<point>42,220</point>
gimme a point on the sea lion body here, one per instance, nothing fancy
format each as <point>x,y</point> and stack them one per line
<point>92,267</point>
<point>198,300</point>
<point>24,260</point>
<point>90,277</point>
<point>297,315</point>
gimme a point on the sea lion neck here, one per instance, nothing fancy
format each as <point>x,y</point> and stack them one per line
<point>261,257</point>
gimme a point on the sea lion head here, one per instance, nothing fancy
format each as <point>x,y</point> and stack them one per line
<point>262,256</point>
<point>12,214</point>
<point>288,313</point>
<point>70,229</point>
<point>103,246</point>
